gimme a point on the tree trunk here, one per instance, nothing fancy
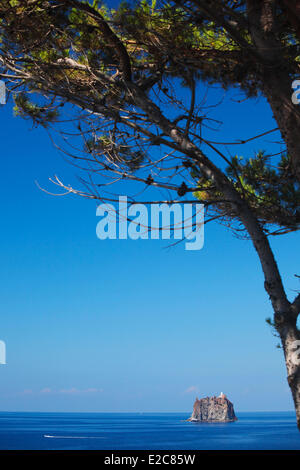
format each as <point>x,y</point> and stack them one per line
<point>278,91</point>
<point>286,313</point>
<point>276,73</point>
<point>290,339</point>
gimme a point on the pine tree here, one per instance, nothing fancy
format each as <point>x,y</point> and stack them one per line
<point>127,72</point>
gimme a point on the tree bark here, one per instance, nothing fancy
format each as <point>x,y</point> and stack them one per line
<point>285,312</point>
<point>275,67</point>
<point>277,71</point>
<point>278,92</point>
<point>289,334</point>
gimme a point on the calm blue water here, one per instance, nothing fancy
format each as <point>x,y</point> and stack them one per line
<point>160,431</point>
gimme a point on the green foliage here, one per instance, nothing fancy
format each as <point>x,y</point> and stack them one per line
<point>39,114</point>
<point>272,324</point>
<point>158,35</point>
<point>163,41</point>
<point>272,193</point>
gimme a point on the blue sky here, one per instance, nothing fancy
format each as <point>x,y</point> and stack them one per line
<point>121,325</point>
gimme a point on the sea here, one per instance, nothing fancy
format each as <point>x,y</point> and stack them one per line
<point>146,431</point>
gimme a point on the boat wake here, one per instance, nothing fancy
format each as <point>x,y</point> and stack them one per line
<point>72,437</point>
